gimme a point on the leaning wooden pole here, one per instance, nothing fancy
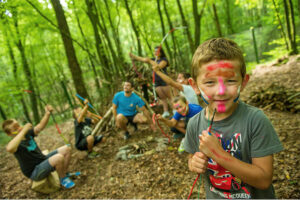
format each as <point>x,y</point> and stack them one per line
<point>105,119</point>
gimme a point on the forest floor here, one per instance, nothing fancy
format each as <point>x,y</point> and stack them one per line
<point>159,174</point>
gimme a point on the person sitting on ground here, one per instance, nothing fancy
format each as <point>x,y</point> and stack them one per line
<point>162,89</point>
<point>125,111</point>
<point>83,138</point>
<point>183,110</point>
<point>235,154</point>
<point>34,164</point>
<point>180,84</point>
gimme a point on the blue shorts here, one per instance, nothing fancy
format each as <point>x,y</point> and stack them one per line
<point>43,169</point>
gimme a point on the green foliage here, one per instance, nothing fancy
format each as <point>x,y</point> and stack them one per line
<point>46,56</point>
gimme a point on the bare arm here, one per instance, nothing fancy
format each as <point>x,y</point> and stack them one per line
<point>13,145</point>
<point>114,111</point>
<point>167,79</point>
<point>40,126</point>
<point>258,174</point>
<point>170,123</point>
<point>141,59</point>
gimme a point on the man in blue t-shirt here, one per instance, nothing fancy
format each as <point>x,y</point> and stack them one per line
<point>183,110</point>
<point>125,109</point>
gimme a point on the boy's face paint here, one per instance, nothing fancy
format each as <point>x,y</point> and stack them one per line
<point>180,107</point>
<point>219,83</point>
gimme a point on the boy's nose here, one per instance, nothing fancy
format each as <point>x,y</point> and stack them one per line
<point>222,88</point>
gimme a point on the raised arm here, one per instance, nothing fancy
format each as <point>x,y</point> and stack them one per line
<point>13,145</point>
<point>40,126</point>
<point>166,78</point>
<point>138,58</point>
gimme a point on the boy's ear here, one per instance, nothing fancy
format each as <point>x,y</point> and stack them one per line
<point>245,81</point>
<point>194,86</point>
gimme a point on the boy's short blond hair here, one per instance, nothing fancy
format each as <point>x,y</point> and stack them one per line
<point>217,49</point>
<point>6,124</point>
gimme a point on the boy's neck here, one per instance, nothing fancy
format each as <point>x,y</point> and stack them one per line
<point>219,116</point>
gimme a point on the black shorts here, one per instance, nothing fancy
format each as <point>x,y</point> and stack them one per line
<point>82,144</point>
<point>130,119</point>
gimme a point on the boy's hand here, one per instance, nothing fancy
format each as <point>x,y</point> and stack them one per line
<point>198,163</point>
<point>48,108</point>
<point>209,144</point>
<point>159,117</point>
<point>86,101</point>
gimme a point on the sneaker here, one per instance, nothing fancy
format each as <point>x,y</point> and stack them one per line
<point>126,135</point>
<point>98,139</point>
<point>165,114</point>
<point>93,154</point>
<point>181,148</point>
<point>66,182</point>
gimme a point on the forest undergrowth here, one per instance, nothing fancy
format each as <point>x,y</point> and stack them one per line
<point>161,174</point>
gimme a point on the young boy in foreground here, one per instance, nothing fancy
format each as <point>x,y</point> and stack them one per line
<point>83,138</point>
<point>34,164</point>
<point>236,157</point>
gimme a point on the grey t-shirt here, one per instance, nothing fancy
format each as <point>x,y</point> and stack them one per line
<point>189,94</point>
<point>246,134</point>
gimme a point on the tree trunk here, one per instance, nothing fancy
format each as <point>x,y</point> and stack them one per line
<point>69,49</point>
<point>175,56</point>
<point>135,30</point>
<point>294,43</point>
<point>197,19</point>
<point>283,35</point>
<point>27,72</point>
<point>216,19</point>
<point>185,23</point>
<point>15,67</point>
<point>97,81</point>
<point>2,113</point>
<point>228,18</point>
<point>99,43</point>
<point>115,31</point>
<point>164,31</point>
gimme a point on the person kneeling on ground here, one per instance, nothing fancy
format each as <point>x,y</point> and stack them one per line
<point>83,138</point>
<point>125,111</point>
<point>34,164</point>
<point>183,110</point>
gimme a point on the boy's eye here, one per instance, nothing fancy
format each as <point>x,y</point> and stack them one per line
<point>209,82</point>
<point>232,81</point>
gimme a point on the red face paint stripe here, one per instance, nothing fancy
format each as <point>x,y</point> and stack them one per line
<point>219,65</point>
<point>225,74</point>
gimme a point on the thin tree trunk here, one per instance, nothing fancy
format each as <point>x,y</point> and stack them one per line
<point>3,115</point>
<point>197,19</point>
<point>216,19</point>
<point>26,70</point>
<point>69,49</point>
<point>97,81</point>
<point>116,38</point>
<point>228,18</point>
<point>294,43</point>
<point>172,35</point>
<point>136,32</point>
<point>99,43</point>
<point>185,23</point>
<point>283,35</point>
<point>164,31</point>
